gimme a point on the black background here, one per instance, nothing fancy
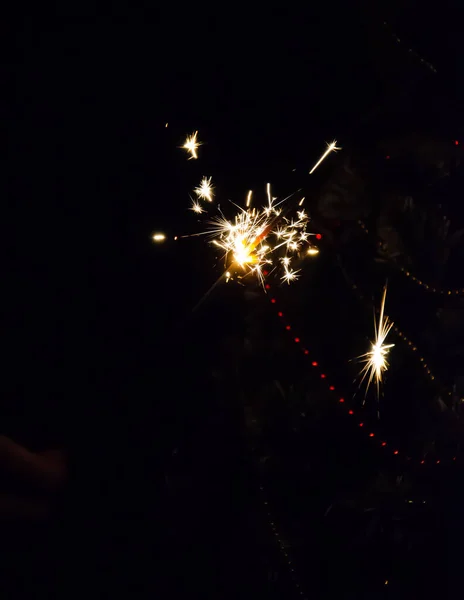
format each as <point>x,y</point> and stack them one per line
<point>101,351</point>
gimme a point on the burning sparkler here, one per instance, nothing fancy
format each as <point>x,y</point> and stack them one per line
<point>332,147</point>
<point>205,189</point>
<point>259,237</point>
<point>376,358</point>
<point>191,145</point>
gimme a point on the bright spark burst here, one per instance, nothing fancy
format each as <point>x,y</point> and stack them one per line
<point>290,275</point>
<point>191,145</point>
<point>376,358</point>
<point>332,147</point>
<point>205,189</point>
<point>250,241</point>
<point>197,208</point>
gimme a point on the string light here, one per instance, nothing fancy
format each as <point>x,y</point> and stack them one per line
<point>370,434</point>
<point>426,286</point>
<point>282,545</point>
<point>410,50</point>
<point>430,288</point>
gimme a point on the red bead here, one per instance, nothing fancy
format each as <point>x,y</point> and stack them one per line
<point>438,462</point>
<point>371,435</point>
<point>288,327</point>
<point>350,412</point>
<point>456,142</point>
<point>342,400</point>
<point>265,272</point>
<point>384,443</point>
<point>273,300</point>
<point>297,340</point>
<point>314,363</point>
<point>387,157</point>
<point>306,351</point>
<point>318,236</point>
<point>267,286</point>
<point>361,424</point>
<point>395,452</point>
<point>323,375</point>
<point>422,462</point>
<point>281,314</point>
<point>331,388</point>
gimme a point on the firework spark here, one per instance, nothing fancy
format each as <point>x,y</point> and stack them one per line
<point>332,147</point>
<point>197,207</point>
<point>191,145</point>
<point>158,237</point>
<point>256,238</point>
<point>205,189</point>
<point>290,275</point>
<point>376,359</point>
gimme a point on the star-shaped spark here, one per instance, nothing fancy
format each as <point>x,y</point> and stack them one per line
<point>205,189</point>
<point>290,275</point>
<point>196,207</point>
<point>191,145</point>
<point>376,359</point>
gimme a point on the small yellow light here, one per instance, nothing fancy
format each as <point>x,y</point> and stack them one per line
<point>159,237</point>
<point>313,251</point>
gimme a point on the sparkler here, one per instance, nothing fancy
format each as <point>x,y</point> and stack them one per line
<point>332,147</point>
<point>256,238</point>
<point>376,359</point>
<point>205,189</point>
<point>191,145</point>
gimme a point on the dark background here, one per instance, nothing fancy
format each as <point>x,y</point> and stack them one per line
<point>102,350</point>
